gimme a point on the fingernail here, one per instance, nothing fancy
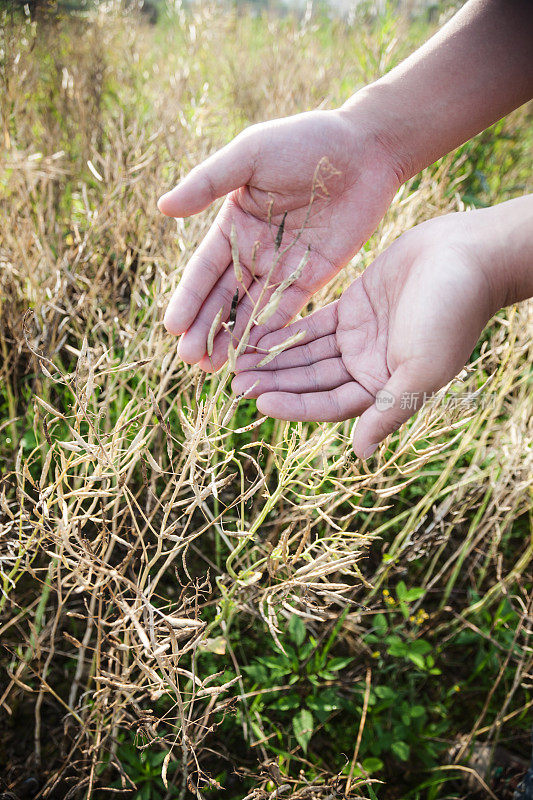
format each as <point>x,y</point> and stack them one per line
<point>369,450</point>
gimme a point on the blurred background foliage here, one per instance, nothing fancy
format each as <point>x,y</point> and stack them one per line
<point>196,601</point>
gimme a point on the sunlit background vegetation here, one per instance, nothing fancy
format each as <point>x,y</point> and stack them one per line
<point>197,601</point>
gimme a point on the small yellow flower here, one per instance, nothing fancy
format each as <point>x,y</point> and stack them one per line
<point>456,688</point>
<point>411,618</point>
<point>375,654</point>
<point>385,592</point>
<point>389,600</point>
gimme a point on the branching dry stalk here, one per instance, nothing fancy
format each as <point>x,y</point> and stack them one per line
<point>143,510</point>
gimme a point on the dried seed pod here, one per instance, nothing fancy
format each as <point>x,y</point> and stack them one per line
<point>279,348</point>
<point>272,305</point>
<point>235,254</point>
<point>211,335</point>
<point>231,357</point>
<point>233,310</point>
<point>255,248</point>
<point>279,234</point>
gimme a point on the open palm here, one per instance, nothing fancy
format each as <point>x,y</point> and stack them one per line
<point>273,171</point>
<point>405,327</point>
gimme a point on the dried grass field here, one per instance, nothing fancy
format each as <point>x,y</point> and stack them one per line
<point>196,601</point>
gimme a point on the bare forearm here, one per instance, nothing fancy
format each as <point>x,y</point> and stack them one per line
<point>502,238</point>
<point>474,71</point>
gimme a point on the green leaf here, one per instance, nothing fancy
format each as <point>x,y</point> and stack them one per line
<point>400,749</point>
<point>286,703</point>
<point>130,754</point>
<point>304,652</point>
<point>335,664</point>
<point>297,630</point>
<point>404,608</point>
<point>401,589</point>
<point>332,637</point>
<point>257,673</point>
<point>146,792</point>
<point>302,726</point>
<point>417,659</point>
<point>417,711</point>
<point>372,765</point>
<point>398,648</point>
<point>413,594</point>
<point>420,646</point>
<point>327,701</point>
<point>273,662</point>
<point>327,675</point>
<point>156,758</point>
<point>385,692</point>
<point>380,624</point>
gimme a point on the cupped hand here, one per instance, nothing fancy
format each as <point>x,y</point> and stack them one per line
<point>400,332</point>
<point>328,178</point>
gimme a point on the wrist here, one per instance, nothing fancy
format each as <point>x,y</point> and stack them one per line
<point>373,107</point>
<point>501,242</point>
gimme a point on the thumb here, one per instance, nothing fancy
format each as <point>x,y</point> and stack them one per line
<point>224,171</point>
<point>398,400</point>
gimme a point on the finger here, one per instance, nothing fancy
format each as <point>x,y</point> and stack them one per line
<point>298,356</point>
<point>199,277</point>
<point>342,403</point>
<point>388,412</point>
<point>224,171</point>
<point>315,326</point>
<point>293,299</point>
<point>192,346</point>
<point>319,323</point>
<point>319,377</point>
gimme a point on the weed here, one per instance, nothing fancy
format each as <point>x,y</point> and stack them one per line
<point>193,598</point>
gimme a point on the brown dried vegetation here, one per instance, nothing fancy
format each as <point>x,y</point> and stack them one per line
<point>142,510</point>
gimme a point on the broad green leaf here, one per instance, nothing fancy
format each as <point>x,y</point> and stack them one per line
<point>401,590</point>
<point>328,700</point>
<point>257,673</point>
<point>385,692</point>
<point>413,594</point>
<point>400,749</point>
<point>302,726</point>
<point>417,659</point>
<point>286,703</point>
<point>335,664</point>
<point>420,646</point>
<point>273,662</point>
<point>380,624</point>
<point>297,630</point>
<point>371,765</point>
<point>398,648</point>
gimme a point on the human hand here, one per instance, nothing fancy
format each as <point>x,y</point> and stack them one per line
<point>407,325</point>
<point>269,170</point>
